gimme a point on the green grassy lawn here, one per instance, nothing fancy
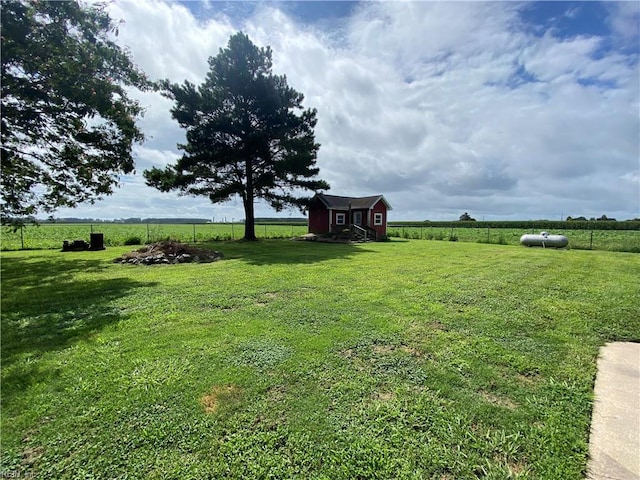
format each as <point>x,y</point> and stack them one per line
<point>404,359</point>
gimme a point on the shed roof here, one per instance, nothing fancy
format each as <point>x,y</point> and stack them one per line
<point>342,203</point>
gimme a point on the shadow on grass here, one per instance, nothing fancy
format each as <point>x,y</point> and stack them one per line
<point>45,309</point>
<point>271,252</point>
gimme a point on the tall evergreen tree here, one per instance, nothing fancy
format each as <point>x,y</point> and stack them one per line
<point>68,123</point>
<point>247,135</point>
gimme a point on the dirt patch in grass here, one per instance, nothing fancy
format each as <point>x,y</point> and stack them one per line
<point>277,393</point>
<point>436,325</point>
<point>383,349</point>
<point>389,349</point>
<point>411,351</point>
<point>499,400</point>
<point>347,353</point>
<point>168,252</point>
<point>31,455</point>
<point>518,468</point>
<point>218,395</point>
<point>528,379</point>
<point>266,298</point>
<point>384,396</point>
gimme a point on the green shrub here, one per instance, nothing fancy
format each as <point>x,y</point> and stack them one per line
<point>133,241</point>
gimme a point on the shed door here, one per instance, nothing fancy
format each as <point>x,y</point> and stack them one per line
<point>357,218</point>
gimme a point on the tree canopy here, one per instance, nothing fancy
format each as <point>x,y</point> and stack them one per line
<point>68,123</point>
<point>247,135</point>
<point>465,217</point>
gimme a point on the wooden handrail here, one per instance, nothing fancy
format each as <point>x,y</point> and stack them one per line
<point>362,230</point>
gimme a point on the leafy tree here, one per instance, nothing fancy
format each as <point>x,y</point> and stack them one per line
<point>247,135</point>
<point>68,123</point>
<point>465,217</point>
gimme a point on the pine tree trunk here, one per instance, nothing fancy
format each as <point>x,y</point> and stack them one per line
<point>249,221</point>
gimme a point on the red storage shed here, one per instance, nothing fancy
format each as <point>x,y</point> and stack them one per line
<point>333,214</point>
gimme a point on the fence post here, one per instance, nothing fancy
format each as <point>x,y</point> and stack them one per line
<point>421,227</point>
<point>21,238</point>
<point>488,236</point>
<point>233,236</point>
<point>194,233</point>
<point>148,238</point>
<point>91,228</point>
<point>591,241</point>
<point>265,230</point>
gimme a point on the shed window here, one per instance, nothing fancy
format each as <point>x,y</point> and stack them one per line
<point>377,219</point>
<point>340,218</point>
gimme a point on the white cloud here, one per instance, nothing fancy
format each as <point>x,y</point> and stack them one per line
<point>165,39</point>
<point>443,107</point>
<point>624,19</point>
<point>550,59</point>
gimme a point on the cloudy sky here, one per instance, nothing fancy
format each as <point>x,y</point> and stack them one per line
<point>504,110</point>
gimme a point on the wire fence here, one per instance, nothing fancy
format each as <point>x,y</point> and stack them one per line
<point>52,235</point>
<point>49,236</point>
<point>611,240</point>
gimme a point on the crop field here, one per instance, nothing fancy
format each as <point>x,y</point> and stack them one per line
<point>52,235</point>
<point>400,359</point>
<point>610,240</point>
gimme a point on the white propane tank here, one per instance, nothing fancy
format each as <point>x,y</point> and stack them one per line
<point>544,240</point>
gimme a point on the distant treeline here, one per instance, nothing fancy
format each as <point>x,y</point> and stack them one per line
<point>572,224</point>
<point>276,220</point>
<point>164,221</point>
<point>126,220</point>
<point>530,224</point>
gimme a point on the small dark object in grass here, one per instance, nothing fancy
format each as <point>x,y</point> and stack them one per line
<point>168,252</point>
<point>97,243</point>
<point>133,241</point>
<point>74,246</point>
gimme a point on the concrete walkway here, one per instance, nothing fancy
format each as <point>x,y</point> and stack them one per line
<point>614,445</point>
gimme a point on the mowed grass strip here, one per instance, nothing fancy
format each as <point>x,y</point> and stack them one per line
<point>404,359</point>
